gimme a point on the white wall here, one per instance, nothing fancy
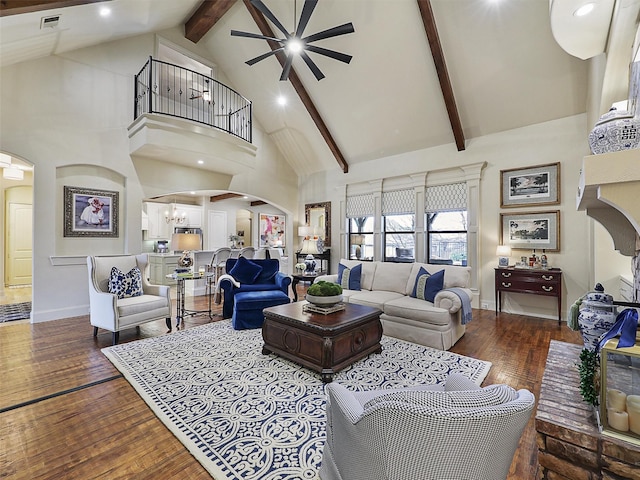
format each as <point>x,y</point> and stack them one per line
<point>72,111</point>
<point>563,140</point>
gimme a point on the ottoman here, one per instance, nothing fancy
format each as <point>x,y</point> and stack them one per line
<point>248,306</point>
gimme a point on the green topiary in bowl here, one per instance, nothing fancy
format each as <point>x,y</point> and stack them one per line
<point>324,293</point>
<point>324,289</point>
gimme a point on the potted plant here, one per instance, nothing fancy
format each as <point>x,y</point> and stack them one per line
<point>324,293</point>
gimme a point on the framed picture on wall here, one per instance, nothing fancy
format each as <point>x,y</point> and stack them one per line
<point>90,213</point>
<point>532,186</point>
<point>526,231</point>
<point>272,230</point>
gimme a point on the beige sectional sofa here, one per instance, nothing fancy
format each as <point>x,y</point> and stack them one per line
<point>388,286</point>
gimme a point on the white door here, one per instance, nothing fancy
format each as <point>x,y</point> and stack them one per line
<point>19,244</point>
<point>217,229</point>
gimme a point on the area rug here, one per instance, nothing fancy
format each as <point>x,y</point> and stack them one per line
<point>15,311</point>
<point>245,415</point>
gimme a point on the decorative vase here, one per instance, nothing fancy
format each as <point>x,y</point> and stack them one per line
<point>615,130</point>
<point>596,317</point>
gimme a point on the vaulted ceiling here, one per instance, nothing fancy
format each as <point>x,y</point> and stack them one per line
<point>505,69</point>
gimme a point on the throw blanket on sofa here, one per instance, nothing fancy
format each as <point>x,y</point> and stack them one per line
<point>466,304</point>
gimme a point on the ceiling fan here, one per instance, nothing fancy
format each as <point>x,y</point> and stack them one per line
<point>294,43</point>
<point>204,93</point>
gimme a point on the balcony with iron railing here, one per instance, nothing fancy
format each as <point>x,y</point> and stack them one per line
<point>180,114</point>
<point>168,89</point>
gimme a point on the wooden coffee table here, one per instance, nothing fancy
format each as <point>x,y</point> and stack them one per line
<point>324,343</point>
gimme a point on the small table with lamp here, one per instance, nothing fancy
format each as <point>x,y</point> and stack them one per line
<point>302,277</point>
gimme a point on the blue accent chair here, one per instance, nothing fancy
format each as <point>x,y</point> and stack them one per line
<point>269,279</point>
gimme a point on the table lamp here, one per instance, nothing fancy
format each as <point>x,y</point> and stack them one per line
<point>310,247</point>
<point>503,252</point>
<point>185,243</point>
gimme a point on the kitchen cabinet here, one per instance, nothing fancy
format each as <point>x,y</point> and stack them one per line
<point>161,265</point>
<point>194,215</point>
<point>157,226</point>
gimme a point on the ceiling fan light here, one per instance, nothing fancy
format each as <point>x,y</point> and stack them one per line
<point>206,96</point>
<point>294,45</point>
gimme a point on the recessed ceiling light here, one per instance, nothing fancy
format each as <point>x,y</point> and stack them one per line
<point>245,197</point>
<point>192,193</point>
<point>584,10</point>
<point>282,100</point>
<point>200,162</point>
<point>105,11</point>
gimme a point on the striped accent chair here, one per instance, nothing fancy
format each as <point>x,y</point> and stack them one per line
<point>455,431</point>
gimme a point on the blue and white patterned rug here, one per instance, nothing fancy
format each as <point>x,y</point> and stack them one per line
<point>245,415</point>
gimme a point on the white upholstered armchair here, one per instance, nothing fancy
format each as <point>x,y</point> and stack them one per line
<point>433,433</point>
<point>114,314</point>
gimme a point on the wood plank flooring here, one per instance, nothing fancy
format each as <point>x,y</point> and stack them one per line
<point>66,412</point>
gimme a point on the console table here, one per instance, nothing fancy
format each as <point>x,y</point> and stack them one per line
<point>546,282</point>
<point>324,258</point>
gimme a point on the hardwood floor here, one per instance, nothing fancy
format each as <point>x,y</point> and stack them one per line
<point>66,412</point>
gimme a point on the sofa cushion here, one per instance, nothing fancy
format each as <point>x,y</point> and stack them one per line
<point>125,285</point>
<point>368,271</point>
<point>416,309</point>
<point>245,271</point>
<point>349,278</point>
<point>427,285</point>
<point>391,277</point>
<point>376,299</point>
<point>454,275</point>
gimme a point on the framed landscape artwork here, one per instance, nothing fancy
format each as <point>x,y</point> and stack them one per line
<point>90,213</point>
<point>526,231</point>
<point>272,230</point>
<point>532,186</point>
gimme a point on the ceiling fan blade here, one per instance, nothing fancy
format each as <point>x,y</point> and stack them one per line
<point>263,56</point>
<point>307,10</point>
<point>287,68</point>
<point>331,32</point>
<point>343,57</point>
<point>267,13</point>
<point>236,33</point>
<point>312,66</point>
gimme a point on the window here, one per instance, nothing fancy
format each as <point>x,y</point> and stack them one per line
<point>447,237</point>
<point>399,238</point>
<point>361,238</point>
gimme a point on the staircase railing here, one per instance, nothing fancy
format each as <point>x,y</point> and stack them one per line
<point>168,89</point>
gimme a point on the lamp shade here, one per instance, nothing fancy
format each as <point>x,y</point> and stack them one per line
<point>310,246</point>
<point>185,242</point>
<point>305,231</point>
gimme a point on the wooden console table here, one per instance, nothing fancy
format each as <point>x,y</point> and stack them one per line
<point>528,280</point>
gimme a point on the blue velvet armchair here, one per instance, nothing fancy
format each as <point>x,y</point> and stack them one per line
<point>268,278</point>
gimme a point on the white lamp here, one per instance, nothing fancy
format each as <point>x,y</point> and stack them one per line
<point>185,242</point>
<point>310,247</point>
<point>503,252</point>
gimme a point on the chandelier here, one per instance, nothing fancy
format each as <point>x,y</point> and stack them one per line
<point>175,217</point>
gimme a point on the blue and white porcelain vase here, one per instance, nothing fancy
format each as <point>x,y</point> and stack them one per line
<point>615,130</point>
<point>596,317</point>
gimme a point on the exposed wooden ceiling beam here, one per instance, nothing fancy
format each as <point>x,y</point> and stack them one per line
<point>441,68</point>
<point>224,196</point>
<point>266,30</point>
<point>257,203</point>
<point>207,15</point>
<point>16,7</point>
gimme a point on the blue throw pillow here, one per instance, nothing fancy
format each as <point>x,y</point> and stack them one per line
<point>427,285</point>
<point>245,271</point>
<point>125,284</point>
<point>349,278</point>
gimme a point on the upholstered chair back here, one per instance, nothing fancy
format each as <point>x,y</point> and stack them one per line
<point>103,265</point>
